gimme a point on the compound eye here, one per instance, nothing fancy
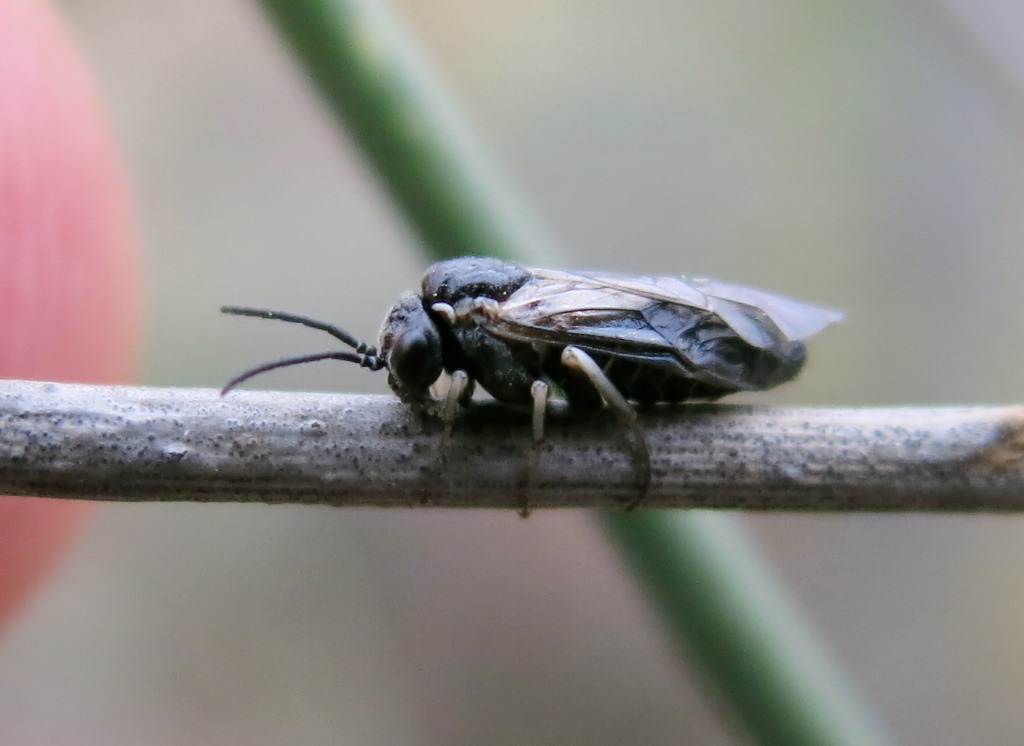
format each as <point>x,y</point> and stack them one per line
<point>415,359</point>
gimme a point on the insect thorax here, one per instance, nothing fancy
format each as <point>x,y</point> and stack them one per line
<point>472,277</point>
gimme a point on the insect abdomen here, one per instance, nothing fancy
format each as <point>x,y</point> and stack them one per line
<point>646,381</point>
<point>648,384</point>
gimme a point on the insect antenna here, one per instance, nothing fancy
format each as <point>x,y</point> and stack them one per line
<point>366,361</point>
<point>334,331</point>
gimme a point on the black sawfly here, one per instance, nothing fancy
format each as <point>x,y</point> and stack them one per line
<point>600,338</point>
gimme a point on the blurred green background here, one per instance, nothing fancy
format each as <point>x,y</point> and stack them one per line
<point>868,156</point>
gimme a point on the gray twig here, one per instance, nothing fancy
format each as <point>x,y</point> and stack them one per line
<point>134,443</point>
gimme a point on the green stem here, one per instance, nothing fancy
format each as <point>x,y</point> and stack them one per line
<point>381,91</point>
<point>704,575</point>
<point>715,595</point>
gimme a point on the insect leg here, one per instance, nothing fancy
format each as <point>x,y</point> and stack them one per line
<point>539,391</point>
<point>460,384</point>
<point>460,387</point>
<point>578,360</point>
<point>467,393</point>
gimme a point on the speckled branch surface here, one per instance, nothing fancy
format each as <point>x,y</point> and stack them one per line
<point>133,443</point>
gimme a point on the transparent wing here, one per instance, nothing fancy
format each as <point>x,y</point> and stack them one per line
<point>668,288</point>
<point>645,310</point>
<point>572,309</point>
<point>796,319</point>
